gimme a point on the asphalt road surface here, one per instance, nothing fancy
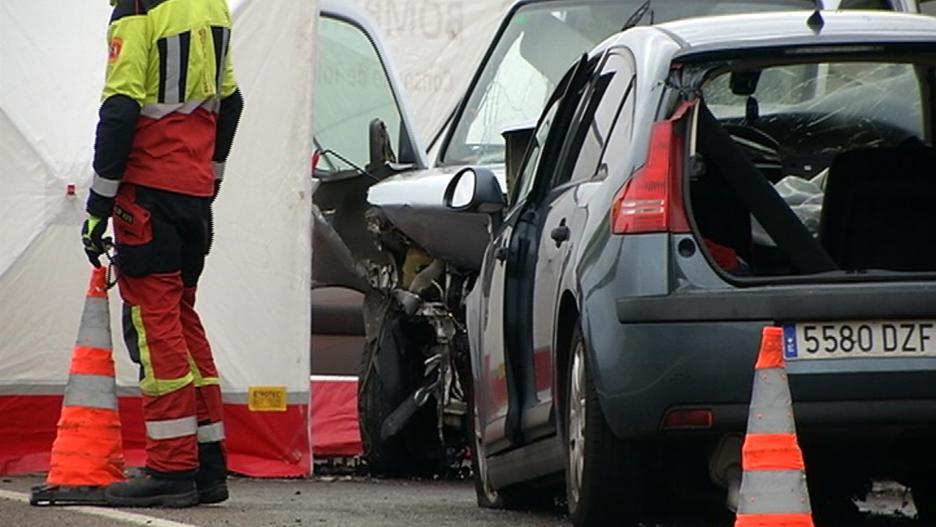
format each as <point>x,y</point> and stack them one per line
<point>336,501</point>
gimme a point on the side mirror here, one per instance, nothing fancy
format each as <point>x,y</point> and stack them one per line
<point>475,190</point>
<point>381,146</point>
<point>517,142</point>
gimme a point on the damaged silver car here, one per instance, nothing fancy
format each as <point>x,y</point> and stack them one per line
<point>381,226</point>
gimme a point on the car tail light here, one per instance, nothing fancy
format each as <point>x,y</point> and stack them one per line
<point>651,200</point>
<point>689,419</point>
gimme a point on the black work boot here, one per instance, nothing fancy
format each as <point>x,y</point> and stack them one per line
<point>211,478</point>
<point>150,490</point>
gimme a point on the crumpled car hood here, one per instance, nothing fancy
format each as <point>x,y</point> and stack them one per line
<point>413,202</point>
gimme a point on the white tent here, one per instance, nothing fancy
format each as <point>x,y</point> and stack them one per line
<point>436,45</point>
<point>254,296</point>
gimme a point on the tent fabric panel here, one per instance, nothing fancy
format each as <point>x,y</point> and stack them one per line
<point>255,293</point>
<point>436,45</point>
<point>255,296</point>
<point>22,201</point>
<point>263,217</point>
<point>334,418</point>
<point>267,445</point>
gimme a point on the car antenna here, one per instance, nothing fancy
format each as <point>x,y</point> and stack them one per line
<point>637,16</point>
<point>815,21</point>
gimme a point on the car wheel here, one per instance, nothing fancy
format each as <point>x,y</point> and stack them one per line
<point>924,499</point>
<point>604,476</point>
<point>488,498</point>
<point>833,489</point>
<point>412,451</point>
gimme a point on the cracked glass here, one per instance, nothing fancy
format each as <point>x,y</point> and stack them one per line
<point>539,44</point>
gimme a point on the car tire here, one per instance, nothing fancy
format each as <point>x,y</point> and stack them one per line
<point>487,497</point>
<point>833,487</point>
<point>605,479</point>
<point>516,497</point>
<point>412,451</point>
<point>924,499</point>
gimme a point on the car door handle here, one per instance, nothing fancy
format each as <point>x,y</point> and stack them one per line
<point>560,234</point>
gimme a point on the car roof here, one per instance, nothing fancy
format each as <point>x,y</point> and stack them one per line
<point>791,29</point>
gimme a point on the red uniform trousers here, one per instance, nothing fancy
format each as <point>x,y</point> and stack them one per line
<point>162,240</point>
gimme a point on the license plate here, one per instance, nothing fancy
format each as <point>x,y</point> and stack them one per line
<point>841,340</point>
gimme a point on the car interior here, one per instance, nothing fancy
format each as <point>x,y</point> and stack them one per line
<point>821,168</point>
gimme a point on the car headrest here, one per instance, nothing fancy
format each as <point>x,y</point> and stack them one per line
<point>878,208</point>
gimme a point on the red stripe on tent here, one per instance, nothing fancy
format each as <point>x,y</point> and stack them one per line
<point>334,418</point>
<point>268,444</point>
<point>260,444</point>
<point>771,452</point>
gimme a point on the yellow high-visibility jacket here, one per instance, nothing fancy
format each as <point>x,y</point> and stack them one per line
<point>170,102</point>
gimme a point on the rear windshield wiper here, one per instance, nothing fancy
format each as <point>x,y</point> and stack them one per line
<point>638,15</point>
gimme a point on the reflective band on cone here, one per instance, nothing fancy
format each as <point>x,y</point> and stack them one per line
<point>87,450</point>
<point>781,492</point>
<point>773,485</point>
<point>91,391</point>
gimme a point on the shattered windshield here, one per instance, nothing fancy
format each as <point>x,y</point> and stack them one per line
<point>537,47</point>
<point>845,144</point>
<point>828,106</point>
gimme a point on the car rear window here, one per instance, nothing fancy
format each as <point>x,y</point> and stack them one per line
<point>844,145</point>
<point>881,100</point>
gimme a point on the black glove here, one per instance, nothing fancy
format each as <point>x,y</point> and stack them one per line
<point>92,233</point>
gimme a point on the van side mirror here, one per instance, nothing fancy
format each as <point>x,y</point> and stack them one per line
<point>475,190</point>
<point>517,142</point>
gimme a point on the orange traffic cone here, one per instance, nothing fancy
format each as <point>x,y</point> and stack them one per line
<point>87,454</point>
<point>773,485</point>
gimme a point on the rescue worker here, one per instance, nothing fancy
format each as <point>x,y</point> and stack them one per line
<point>170,109</point>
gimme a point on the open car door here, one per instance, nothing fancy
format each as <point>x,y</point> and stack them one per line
<point>362,132</point>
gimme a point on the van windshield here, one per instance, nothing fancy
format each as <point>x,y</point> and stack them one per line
<point>539,43</point>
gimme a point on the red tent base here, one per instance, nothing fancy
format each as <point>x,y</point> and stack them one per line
<point>260,444</point>
<point>334,417</point>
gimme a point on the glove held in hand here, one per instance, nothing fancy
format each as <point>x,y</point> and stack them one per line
<point>92,234</point>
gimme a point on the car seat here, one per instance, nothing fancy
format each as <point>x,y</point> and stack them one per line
<point>880,208</point>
